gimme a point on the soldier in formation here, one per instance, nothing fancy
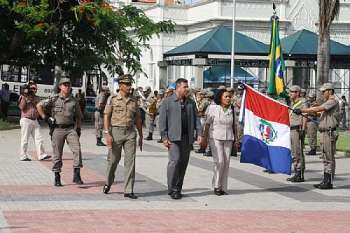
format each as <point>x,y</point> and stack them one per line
<point>151,113</point>
<point>312,124</point>
<point>202,103</point>
<point>297,129</point>
<point>329,121</point>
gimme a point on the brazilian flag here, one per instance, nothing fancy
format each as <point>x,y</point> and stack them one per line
<point>276,85</point>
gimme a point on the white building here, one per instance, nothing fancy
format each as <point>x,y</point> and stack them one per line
<point>252,18</point>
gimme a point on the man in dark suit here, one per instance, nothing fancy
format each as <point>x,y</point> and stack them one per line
<point>177,122</point>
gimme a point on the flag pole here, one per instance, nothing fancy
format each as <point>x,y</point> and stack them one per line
<point>233,43</point>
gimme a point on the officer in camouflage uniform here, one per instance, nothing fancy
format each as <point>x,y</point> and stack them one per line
<point>151,114</point>
<point>121,116</point>
<point>65,122</point>
<point>329,120</point>
<point>100,104</point>
<point>210,98</point>
<point>311,125</point>
<point>297,127</point>
<point>160,99</point>
<point>202,106</point>
<point>236,101</point>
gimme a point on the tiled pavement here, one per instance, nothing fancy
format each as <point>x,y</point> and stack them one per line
<point>258,202</point>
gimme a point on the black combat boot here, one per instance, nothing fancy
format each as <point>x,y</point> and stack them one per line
<point>312,152</point>
<point>327,182</point>
<point>76,177</point>
<point>322,182</point>
<point>297,178</point>
<point>99,142</point>
<point>302,175</point>
<point>149,137</point>
<point>58,179</point>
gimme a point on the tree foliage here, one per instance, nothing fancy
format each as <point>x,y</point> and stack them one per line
<point>75,35</point>
<point>328,11</point>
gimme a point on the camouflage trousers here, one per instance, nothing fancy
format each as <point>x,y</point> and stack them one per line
<point>98,124</point>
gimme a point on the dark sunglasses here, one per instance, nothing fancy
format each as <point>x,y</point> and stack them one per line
<point>66,84</point>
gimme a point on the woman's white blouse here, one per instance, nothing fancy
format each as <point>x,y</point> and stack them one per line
<point>220,122</point>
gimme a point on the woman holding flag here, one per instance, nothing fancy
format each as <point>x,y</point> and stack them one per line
<point>221,130</point>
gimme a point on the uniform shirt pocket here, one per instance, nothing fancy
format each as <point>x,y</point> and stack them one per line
<point>69,110</point>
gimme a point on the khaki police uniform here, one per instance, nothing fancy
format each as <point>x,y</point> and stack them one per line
<point>124,113</point>
<point>328,135</point>
<point>296,122</point>
<point>65,111</point>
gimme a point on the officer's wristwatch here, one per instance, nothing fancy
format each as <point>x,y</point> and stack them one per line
<point>106,131</point>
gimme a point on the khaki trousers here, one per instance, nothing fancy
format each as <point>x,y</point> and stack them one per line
<point>328,149</point>
<point>312,134</point>
<point>59,137</point>
<point>298,156</point>
<point>221,151</point>
<point>31,128</point>
<point>123,138</point>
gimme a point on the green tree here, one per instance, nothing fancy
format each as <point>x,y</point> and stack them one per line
<point>78,36</point>
<point>328,10</point>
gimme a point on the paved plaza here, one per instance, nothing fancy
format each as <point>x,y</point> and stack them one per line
<point>257,201</point>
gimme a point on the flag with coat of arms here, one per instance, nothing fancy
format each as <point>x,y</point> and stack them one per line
<point>266,139</point>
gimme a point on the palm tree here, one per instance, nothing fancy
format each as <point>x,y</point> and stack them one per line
<point>328,10</point>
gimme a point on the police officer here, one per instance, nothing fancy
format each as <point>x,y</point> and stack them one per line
<point>297,127</point>
<point>329,121</point>
<point>66,120</point>
<point>311,125</point>
<point>121,115</point>
<point>100,104</point>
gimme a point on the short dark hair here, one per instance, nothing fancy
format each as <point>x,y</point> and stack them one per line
<point>217,98</point>
<point>180,80</point>
<point>32,82</point>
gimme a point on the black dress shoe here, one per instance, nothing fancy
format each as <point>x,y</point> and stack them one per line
<point>217,192</point>
<point>176,195</point>
<point>130,195</point>
<point>223,192</point>
<point>106,189</point>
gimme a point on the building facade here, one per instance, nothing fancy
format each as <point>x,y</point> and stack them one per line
<point>193,18</point>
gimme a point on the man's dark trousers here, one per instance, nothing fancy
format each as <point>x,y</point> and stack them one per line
<point>179,153</point>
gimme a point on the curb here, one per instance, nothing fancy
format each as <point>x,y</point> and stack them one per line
<point>10,128</point>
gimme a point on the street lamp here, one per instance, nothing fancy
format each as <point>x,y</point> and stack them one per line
<point>233,43</point>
